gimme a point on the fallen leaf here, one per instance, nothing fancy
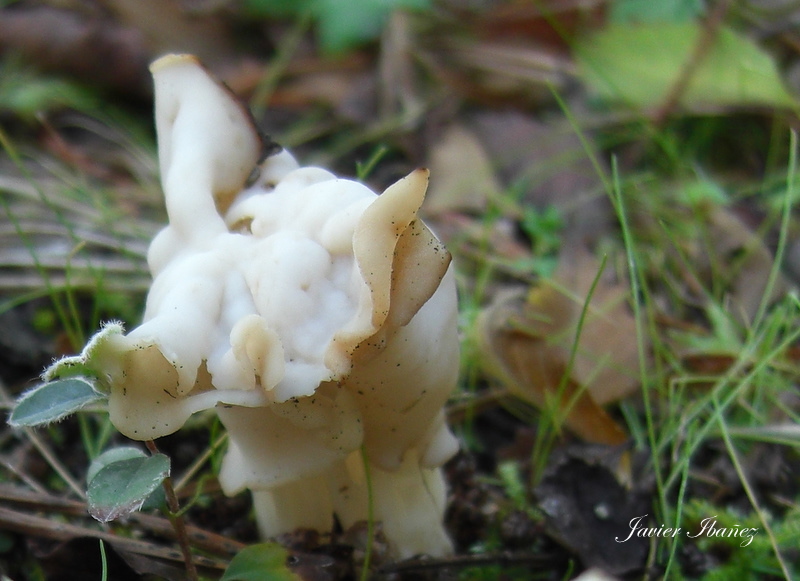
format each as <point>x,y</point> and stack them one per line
<point>638,66</point>
<point>463,177</point>
<point>527,343</point>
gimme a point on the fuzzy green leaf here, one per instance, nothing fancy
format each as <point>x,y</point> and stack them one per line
<point>89,363</point>
<point>53,401</point>
<point>110,456</point>
<point>638,66</point>
<point>121,487</point>
<point>262,562</point>
<point>118,454</point>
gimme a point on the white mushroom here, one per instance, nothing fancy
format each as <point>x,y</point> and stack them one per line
<point>315,316</point>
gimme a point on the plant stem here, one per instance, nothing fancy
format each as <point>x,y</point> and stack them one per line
<point>177,520</point>
<point>103,561</point>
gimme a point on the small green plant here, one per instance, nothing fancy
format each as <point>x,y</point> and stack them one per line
<point>120,480</point>
<point>124,479</point>
<point>721,532</point>
<point>544,228</point>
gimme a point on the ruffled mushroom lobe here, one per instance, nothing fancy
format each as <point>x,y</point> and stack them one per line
<point>402,264</point>
<point>208,146</point>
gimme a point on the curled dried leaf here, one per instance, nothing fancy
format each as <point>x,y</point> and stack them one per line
<point>527,342</point>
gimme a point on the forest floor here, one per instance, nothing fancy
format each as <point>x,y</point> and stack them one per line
<point>616,182</point>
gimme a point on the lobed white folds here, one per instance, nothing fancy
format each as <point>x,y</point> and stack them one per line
<point>314,315</point>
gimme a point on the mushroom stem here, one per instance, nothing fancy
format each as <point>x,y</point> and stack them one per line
<point>370,515</point>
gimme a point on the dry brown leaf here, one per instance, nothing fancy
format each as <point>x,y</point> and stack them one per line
<point>607,359</point>
<point>527,344</point>
<point>463,176</point>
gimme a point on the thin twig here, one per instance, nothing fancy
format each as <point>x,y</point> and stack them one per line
<point>701,48</point>
<point>42,501</point>
<point>463,561</point>
<point>15,470</point>
<point>177,520</point>
<point>39,526</point>
<point>661,114</point>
